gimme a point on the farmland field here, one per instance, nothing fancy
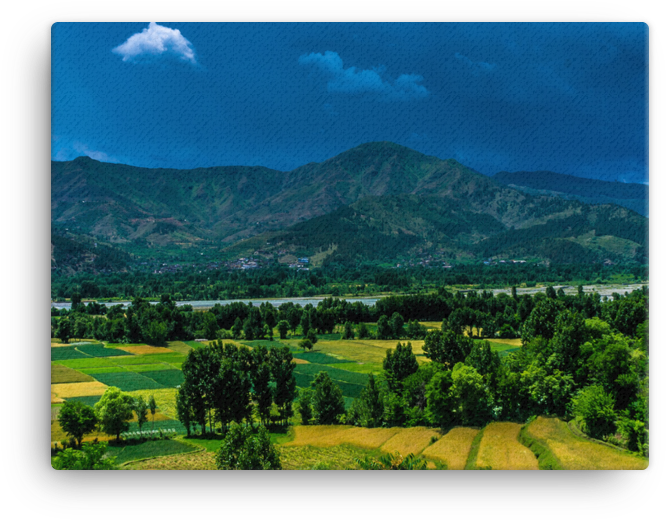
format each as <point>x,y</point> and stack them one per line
<point>453,448</point>
<point>574,452</point>
<point>500,449</point>
<point>128,381</point>
<point>63,374</point>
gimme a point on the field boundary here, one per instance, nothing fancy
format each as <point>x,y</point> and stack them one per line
<point>545,457</point>
<point>199,449</point>
<point>575,429</point>
<point>474,450</point>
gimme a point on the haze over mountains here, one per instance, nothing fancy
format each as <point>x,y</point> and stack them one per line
<point>379,201</point>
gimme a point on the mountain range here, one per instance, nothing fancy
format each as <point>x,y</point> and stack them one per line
<point>378,201</point>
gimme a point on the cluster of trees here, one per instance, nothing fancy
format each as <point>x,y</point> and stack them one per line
<point>197,283</point>
<point>227,384</point>
<point>111,414</point>
<point>570,366</point>
<point>480,314</point>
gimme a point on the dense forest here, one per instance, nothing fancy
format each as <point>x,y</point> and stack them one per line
<point>278,281</point>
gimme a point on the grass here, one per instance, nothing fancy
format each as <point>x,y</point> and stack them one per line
<point>127,381</point>
<point>193,344</point>
<point>410,440</point>
<point>500,448</point>
<point>150,358</point>
<point>452,449</point>
<point>574,452</point>
<point>209,444</point>
<point>148,449</point>
<point>63,374</point>
<point>474,450</point>
<point>65,390</point>
<point>202,460</point>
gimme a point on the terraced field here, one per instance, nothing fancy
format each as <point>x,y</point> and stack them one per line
<point>574,452</point>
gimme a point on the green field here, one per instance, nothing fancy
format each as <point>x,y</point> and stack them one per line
<point>148,449</point>
<point>127,381</point>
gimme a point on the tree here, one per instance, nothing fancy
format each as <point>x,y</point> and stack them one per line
<point>472,398</point>
<point>305,405</point>
<point>64,330</point>
<point>595,410</point>
<point>305,323</point>
<point>283,328</point>
<point>399,364</point>
<point>312,336</point>
<point>261,391</point>
<point>483,359</point>
<point>237,329</point>
<point>77,419</point>
<point>348,332</point>
<point>415,330</point>
<point>370,406</point>
<point>242,449</point>
<point>440,403</point>
<point>282,372</point>
<point>114,411</point>
<point>396,323</point>
<point>327,400</point>
<point>210,326</point>
<point>89,457</point>
<point>384,330</point>
<point>155,332</point>
<point>363,332</point>
<point>141,411</point>
<point>184,409</point>
<point>447,347</point>
<point>305,344</point>
<point>541,321</point>
<point>152,405</point>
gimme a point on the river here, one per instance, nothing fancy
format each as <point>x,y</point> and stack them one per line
<point>603,290</point>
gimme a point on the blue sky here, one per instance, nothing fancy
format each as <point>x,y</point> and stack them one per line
<point>569,98</point>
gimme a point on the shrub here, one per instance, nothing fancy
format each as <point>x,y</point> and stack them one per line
<point>594,408</point>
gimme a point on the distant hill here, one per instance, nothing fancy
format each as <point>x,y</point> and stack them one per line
<point>590,191</point>
<point>377,201</point>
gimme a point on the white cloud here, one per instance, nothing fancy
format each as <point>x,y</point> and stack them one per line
<point>477,67</point>
<point>156,40</point>
<point>353,80</point>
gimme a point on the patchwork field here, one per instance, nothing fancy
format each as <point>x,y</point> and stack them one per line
<point>65,390</point>
<point>144,349</point>
<point>574,452</point>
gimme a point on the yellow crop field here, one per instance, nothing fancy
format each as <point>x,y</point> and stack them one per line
<point>316,435</point>
<point>200,460</point>
<point>365,351</point>
<point>297,361</point>
<point>63,374</point>
<point>500,448</point>
<point>57,435</point>
<point>140,350</point>
<point>410,440</point>
<point>453,448</point>
<point>65,390</point>
<point>158,417</point>
<point>575,452</point>
<point>178,346</point>
<point>164,397</point>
